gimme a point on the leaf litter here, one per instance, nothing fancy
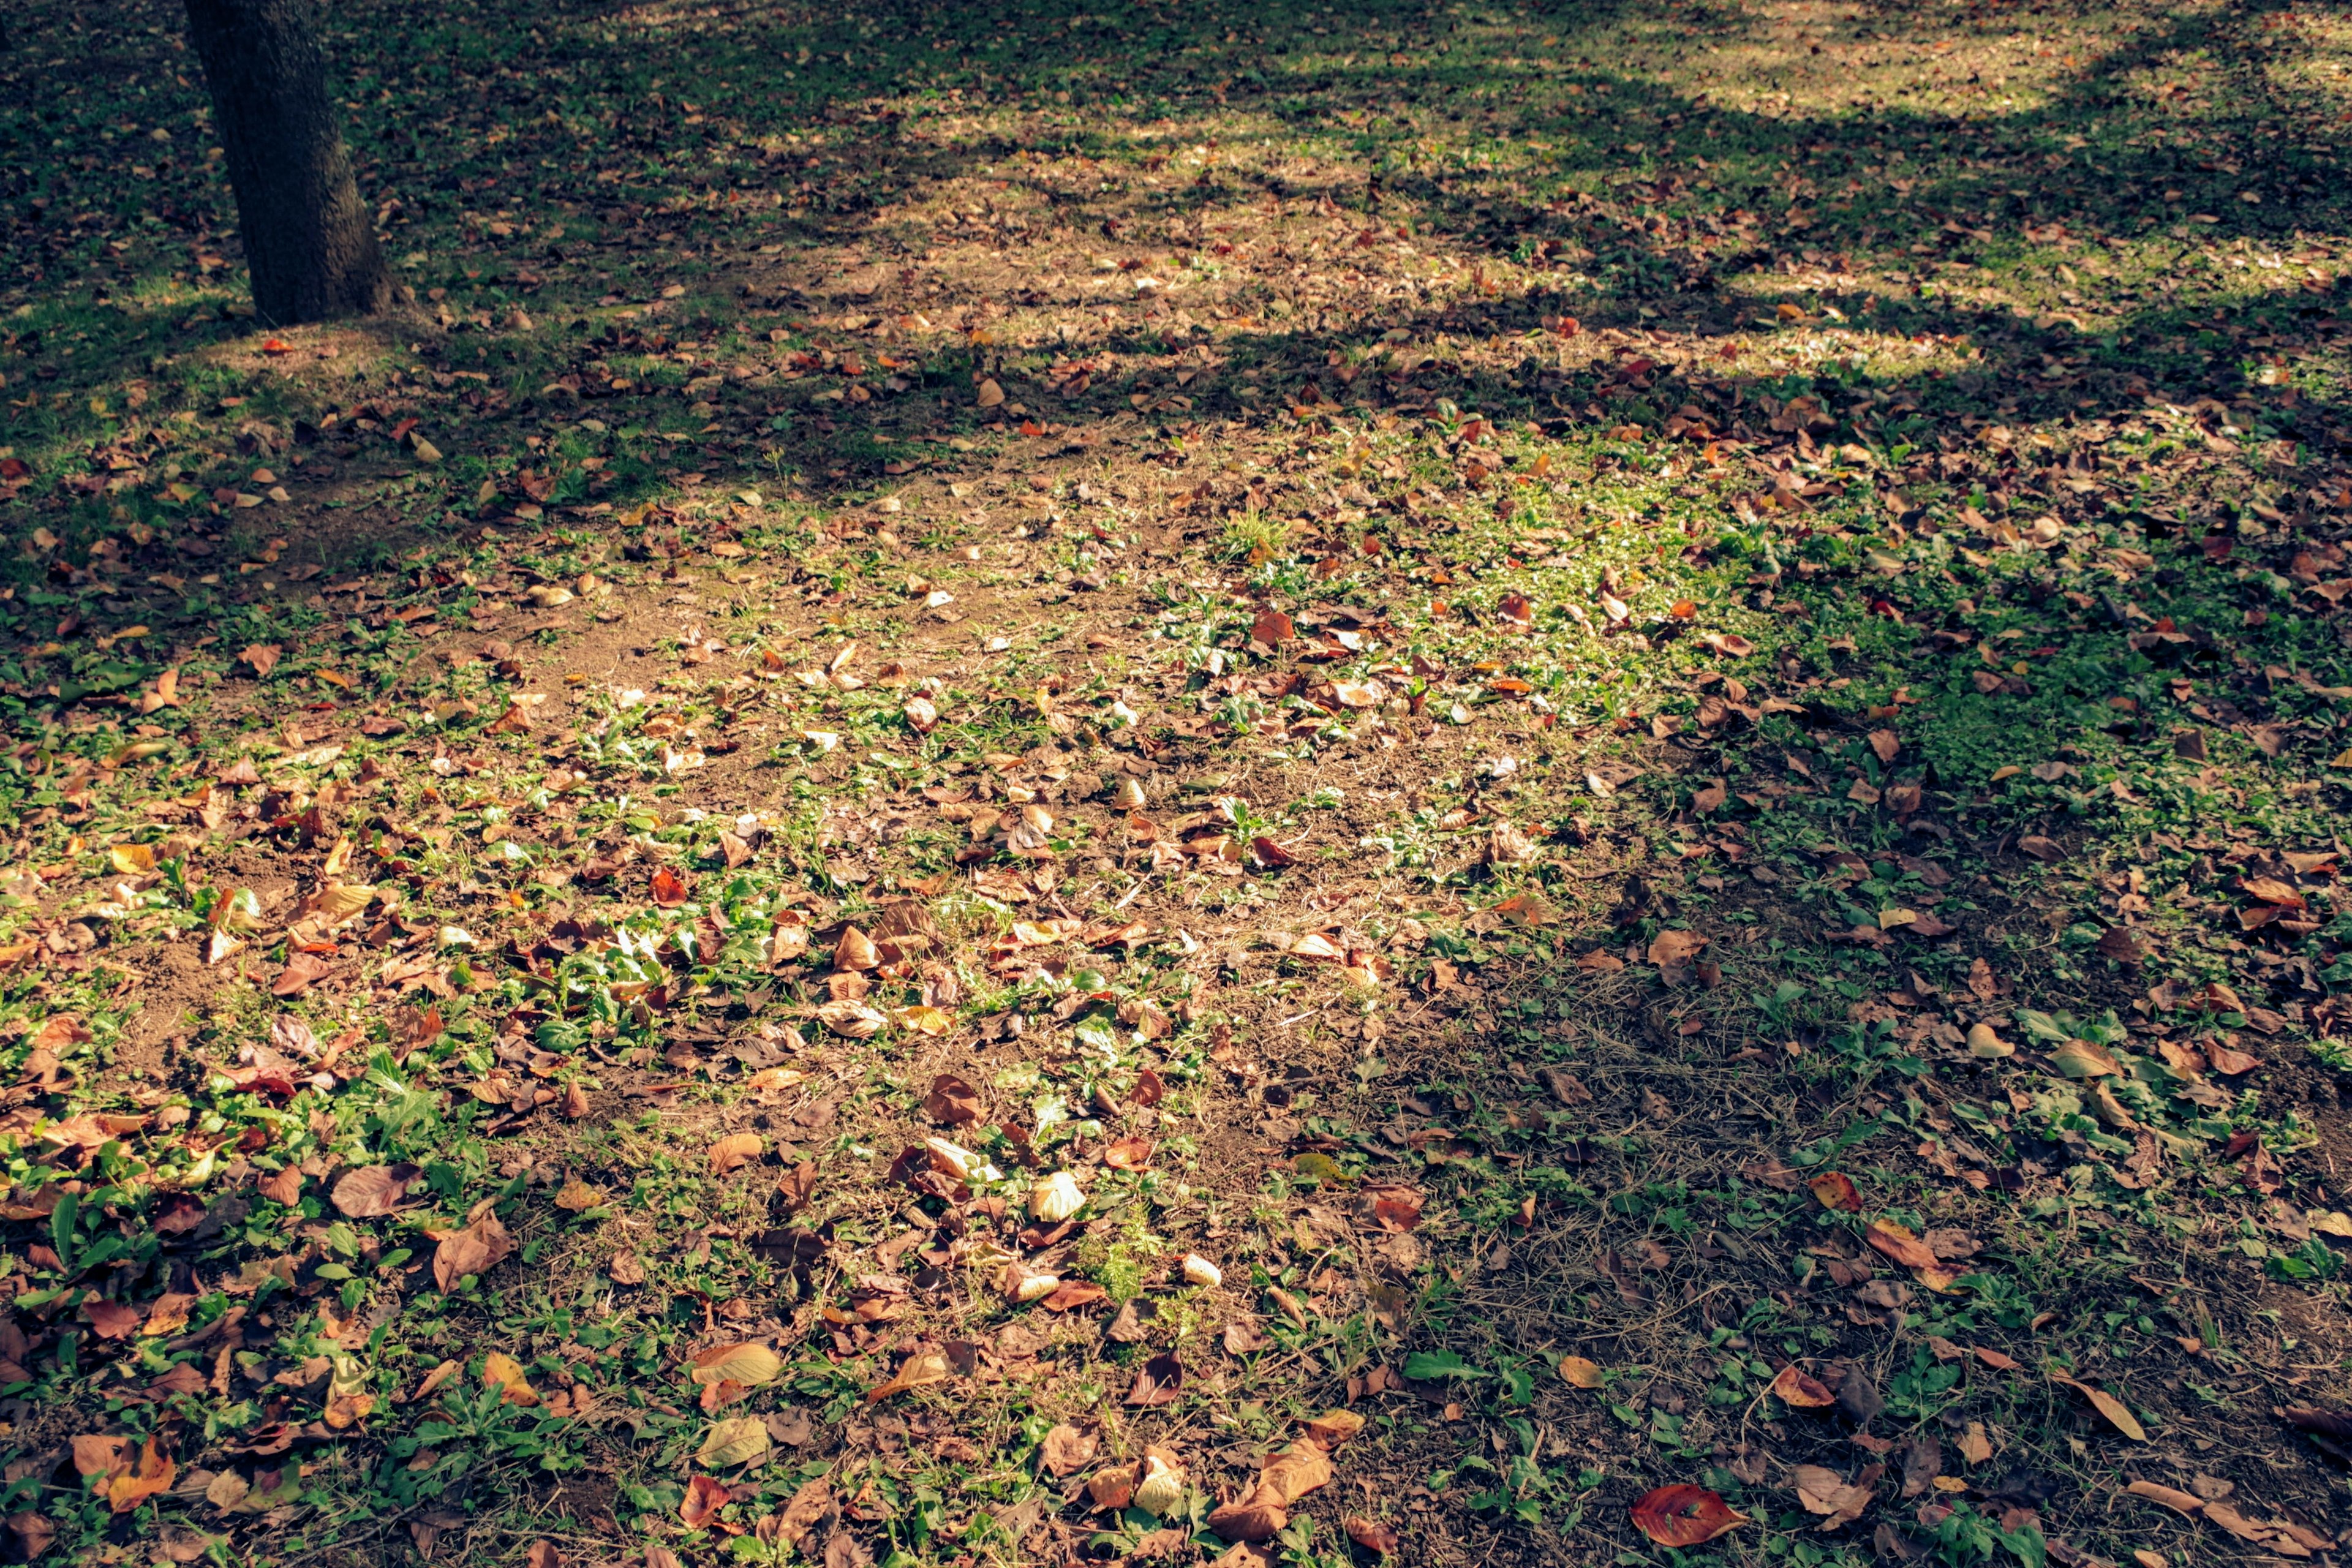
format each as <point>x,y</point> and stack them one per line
<point>1661,745</point>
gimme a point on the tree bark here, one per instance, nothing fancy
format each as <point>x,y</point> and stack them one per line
<point>309,241</point>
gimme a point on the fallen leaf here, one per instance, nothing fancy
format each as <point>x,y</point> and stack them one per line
<point>704,1498</point>
<point>749,1364</point>
<point>1898,1244</point>
<point>735,1151</point>
<point>2117,1414</point>
<point>731,1443</point>
<point>1835,1190</point>
<point>1673,949</point>
<point>1578,1372</point>
<point>951,1101</point>
<point>1334,1428</point>
<point>918,1371</point>
<point>1370,1534</point>
<point>1822,1490</point>
<point>1684,1515</point>
<point>475,1250</point>
<point>371,1192</point>
<point>1797,1390</point>
<point>1067,1450</point>
<point>2179,1503</point>
<point>150,1472</point>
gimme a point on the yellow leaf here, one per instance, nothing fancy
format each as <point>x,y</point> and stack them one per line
<point>736,1442</point>
<point>132,859</point>
<point>577,1197</point>
<point>334,905</point>
<point>2118,1415</point>
<point>1578,1372</point>
<point>501,1371</point>
<point>920,1370</point>
<point>750,1366</point>
<point>922,1020</point>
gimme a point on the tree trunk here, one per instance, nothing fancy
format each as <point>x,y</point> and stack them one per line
<point>309,241</point>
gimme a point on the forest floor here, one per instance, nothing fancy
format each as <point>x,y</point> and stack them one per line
<point>1187,784</point>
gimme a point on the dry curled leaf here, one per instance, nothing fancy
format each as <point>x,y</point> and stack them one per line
<point>475,1250</point>
<point>951,1102</point>
<point>1067,1450</point>
<point>704,1498</point>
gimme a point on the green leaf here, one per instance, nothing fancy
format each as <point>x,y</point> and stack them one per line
<point>2041,1026</point>
<point>1427,1366</point>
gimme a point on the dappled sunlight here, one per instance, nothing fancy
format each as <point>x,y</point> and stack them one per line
<point>1184,783</point>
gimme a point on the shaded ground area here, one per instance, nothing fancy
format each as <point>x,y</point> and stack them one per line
<point>1623,726</point>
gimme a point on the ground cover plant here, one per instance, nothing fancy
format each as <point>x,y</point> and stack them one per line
<point>1265,784</point>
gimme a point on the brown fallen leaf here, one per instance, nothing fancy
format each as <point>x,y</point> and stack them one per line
<point>148,1471</point>
<point>1334,1428</point>
<point>1067,1450</point>
<point>476,1250</point>
<point>704,1498</point>
<point>1976,1447</point>
<point>2179,1503</point>
<point>1370,1534</point>
<point>951,1102</point>
<point>1824,1491</point>
<point>1159,1381</point>
<point>1898,1244</point>
<point>2117,1414</point>
<point>372,1192</point>
<point>1673,949</point>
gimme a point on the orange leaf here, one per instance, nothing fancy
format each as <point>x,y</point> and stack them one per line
<point>1834,1190</point>
<point>1798,1392</point>
<point>704,1498</point>
<point>734,1150</point>
<point>668,889</point>
<point>1899,1244</point>
<point>151,1472</point>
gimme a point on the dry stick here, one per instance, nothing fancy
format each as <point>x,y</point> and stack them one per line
<point>1652,1322</point>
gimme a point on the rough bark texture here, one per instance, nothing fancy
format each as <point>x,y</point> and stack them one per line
<point>309,241</point>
